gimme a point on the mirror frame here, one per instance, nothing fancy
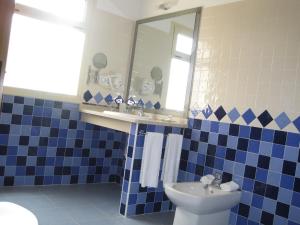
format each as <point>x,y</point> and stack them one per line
<point>198,12</point>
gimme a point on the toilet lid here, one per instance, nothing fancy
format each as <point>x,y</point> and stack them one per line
<point>12,214</point>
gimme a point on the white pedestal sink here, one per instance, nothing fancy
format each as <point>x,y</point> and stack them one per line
<point>12,214</point>
<point>199,206</point>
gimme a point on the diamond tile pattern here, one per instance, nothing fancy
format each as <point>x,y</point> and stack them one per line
<point>87,96</point>
<point>149,105</point>
<point>207,112</point>
<point>234,115</point>
<point>220,113</point>
<point>44,142</point>
<point>265,119</point>
<point>249,116</point>
<point>297,123</point>
<point>282,120</point>
<point>109,99</point>
<point>98,97</point>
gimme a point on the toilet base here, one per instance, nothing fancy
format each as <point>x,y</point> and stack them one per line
<point>183,217</point>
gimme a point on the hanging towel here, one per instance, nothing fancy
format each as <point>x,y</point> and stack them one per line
<point>172,158</point>
<point>151,159</point>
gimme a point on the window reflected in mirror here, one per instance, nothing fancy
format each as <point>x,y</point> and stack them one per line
<point>162,69</point>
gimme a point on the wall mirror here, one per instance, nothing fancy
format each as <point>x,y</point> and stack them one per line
<point>163,62</point>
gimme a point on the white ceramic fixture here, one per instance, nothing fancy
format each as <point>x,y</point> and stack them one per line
<point>197,205</point>
<point>12,214</point>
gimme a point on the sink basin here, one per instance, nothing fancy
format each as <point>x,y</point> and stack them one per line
<point>199,205</point>
<point>126,115</point>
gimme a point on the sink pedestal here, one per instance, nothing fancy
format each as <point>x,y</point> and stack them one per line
<point>183,217</point>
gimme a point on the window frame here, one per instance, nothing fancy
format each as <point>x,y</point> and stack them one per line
<point>31,12</point>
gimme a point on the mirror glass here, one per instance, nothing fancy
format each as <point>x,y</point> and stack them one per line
<point>162,63</point>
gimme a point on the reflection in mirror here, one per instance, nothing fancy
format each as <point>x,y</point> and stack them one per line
<point>162,62</point>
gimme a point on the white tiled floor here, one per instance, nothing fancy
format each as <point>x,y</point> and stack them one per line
<point>78,205</point>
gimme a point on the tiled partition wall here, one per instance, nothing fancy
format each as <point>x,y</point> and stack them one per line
<point>44,142</point>
<point>136,200</point>
<point>265,163</point>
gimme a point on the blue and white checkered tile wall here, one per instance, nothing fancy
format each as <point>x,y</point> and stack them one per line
<point>136,200</point>
<point>265,163</point>
<point>281,121</point>
<point>44,142</point>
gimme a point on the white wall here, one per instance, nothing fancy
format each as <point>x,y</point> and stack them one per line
<point>249,57</point>
<point>130,9</point>
<point>150,7</point>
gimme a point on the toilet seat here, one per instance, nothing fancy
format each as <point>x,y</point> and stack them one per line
<point>12,214</point>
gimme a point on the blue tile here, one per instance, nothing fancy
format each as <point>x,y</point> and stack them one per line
<point>234,115</point>
<point>220,113</point>
<point>157,106</point>
<point>248,185</point>
<point>224,128</point>
<point>87,96</point>
<point>214,127</point>
<point>269,205</point>
<point>294,214</point>
<point>249,116</point>
<point>296,199</point>
<point>98,97</point>
<point>293,139</point>
<point>287,182</point>
<point>245,131</point>
<point>268,135</point>
<point>285,195</point>
<point>278,151</point>
<point>265,118</point>
<point>282,120</point>
<point>207,112</point>
<point>291,153</point>
<point>297,123</point>
<point>261,175</point>
<point>205,126</point>
<point>109,99</point>
<point>149,105</point>
<point>257,201</point>
<point>254,146</point>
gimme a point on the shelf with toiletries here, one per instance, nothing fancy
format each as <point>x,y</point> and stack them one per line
<point>119,120</point>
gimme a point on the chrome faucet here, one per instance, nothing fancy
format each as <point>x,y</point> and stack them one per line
<point>217,181</point>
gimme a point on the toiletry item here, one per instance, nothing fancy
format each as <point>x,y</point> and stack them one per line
<point>151,159</point>
<point>207,180</point>
<point>229,186</point>
<point>172,158</point>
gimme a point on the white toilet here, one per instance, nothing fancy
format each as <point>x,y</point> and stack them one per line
<point>12,214</point>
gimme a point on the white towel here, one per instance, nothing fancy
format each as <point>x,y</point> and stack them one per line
<point>172,158</point>
<point>229,186</point>
<point>207,180</point>
<point>151,159</point>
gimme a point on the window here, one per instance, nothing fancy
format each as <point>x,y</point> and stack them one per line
<point>46,46</point>
<point>180,71</point>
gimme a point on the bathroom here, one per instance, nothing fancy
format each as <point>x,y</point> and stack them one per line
<point>147,111</point>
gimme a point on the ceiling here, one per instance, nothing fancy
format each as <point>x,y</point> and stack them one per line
<point>138,9</point>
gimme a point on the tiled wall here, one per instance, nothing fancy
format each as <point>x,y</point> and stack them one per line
<point>249,57</point>
<point>136,200</point>
<point>265,163</point>
<point>44,142</point>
